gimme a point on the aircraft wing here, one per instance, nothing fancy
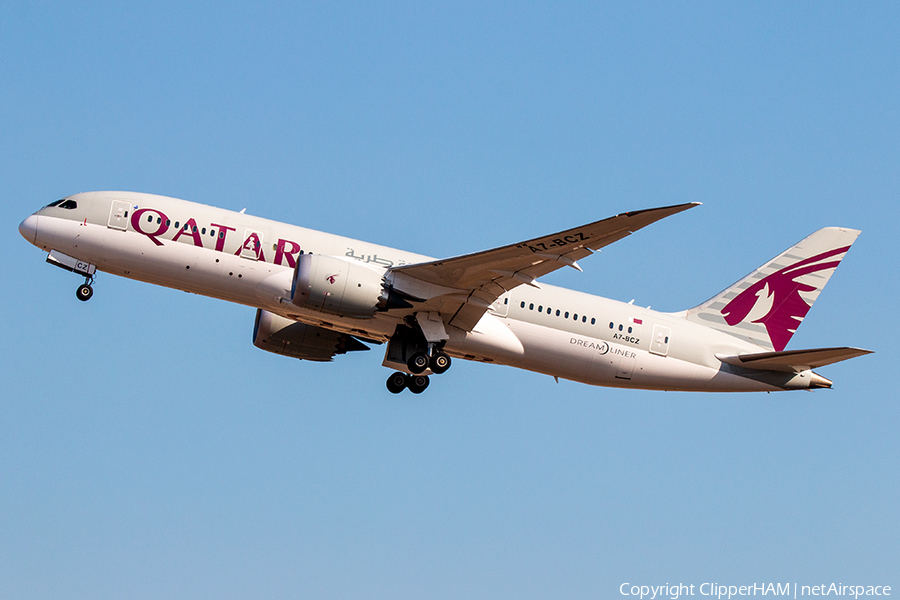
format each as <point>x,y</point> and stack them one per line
<point>480,278</point>
<point>793,361</point>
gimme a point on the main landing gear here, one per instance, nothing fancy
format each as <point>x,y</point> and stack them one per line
<point>398,382</point>
<point>418,363</point>
<point>409,350</point>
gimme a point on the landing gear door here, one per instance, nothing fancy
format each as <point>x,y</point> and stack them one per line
<point>253,245</point>
<point>118,215</point>
<point>659,343</point>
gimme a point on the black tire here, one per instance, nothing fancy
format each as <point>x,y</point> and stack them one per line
<point>418,383</point>
<point>417,363</point>
<point>84,292</point>
<point>397,382</point>
<point>440,362</point>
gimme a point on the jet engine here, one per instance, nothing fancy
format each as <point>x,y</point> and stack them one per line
<point>340,287</point>
<point>276,334</point>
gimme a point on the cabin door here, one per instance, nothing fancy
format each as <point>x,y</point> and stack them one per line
<point>659,343</point>
<point>118,215</point>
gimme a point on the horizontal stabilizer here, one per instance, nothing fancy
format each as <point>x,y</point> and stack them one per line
<point>792,361</point>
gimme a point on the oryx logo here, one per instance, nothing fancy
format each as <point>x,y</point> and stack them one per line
<point>330,279</point>
<point>783,308</point>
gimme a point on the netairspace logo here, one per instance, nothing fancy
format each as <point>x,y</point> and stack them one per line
<point>793,590</point>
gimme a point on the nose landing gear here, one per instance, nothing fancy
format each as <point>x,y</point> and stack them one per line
<point>74,265</point>
<point>85,291</point>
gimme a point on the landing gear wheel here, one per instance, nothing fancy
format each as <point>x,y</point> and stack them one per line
<point>417,383</point>
<point>440,362</point>
<point>397,382</point>
<point>84,292</point>
<point>417,363</point>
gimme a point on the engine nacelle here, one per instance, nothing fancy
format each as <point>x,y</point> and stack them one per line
<point>337,286</point>
<point>274,333</point>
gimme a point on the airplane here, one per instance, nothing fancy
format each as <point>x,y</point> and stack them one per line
<point>319,295</point>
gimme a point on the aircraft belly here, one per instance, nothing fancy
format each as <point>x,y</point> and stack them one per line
<point>178,265</point>
<point>228,277</point>
<point>598,362</point>
<point>185,267</point>
<point>491,339</point>
<point>576,357</point>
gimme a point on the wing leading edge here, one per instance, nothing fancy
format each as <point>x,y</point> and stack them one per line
<point>477,280</point>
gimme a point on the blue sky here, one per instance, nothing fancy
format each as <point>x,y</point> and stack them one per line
<point>148,450</point>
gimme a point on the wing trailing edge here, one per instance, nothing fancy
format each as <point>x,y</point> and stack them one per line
<point>482,277</point>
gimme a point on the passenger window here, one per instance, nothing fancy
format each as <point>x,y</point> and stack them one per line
<point>523,304</point>
<point>567,314</point>
<point>203,231</point>
<point>222,236</point>
<point>593,320</point>
<point>506,301</point>
<point>629,330</point>
<point>557,312</point>
<point>575,316</point>
<point>620,328</point>
<point>531,306</point>
<point>177,226</point>
<point>540,309</point>
<point>149,218</point>
<point>584,319</point>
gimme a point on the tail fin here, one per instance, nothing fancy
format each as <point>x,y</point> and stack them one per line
<point>768,305</point>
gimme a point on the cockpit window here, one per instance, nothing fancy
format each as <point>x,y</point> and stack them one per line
<point>57,203</point>
<point>69,204</point>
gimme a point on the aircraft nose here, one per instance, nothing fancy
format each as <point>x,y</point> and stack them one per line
<point>28,228</point>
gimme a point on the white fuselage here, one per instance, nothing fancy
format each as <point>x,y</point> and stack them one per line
<point>250,260</point>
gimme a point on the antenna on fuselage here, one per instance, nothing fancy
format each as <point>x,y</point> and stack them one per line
<point>243,210</point>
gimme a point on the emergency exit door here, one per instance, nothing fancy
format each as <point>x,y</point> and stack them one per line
<point>252,247</point>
